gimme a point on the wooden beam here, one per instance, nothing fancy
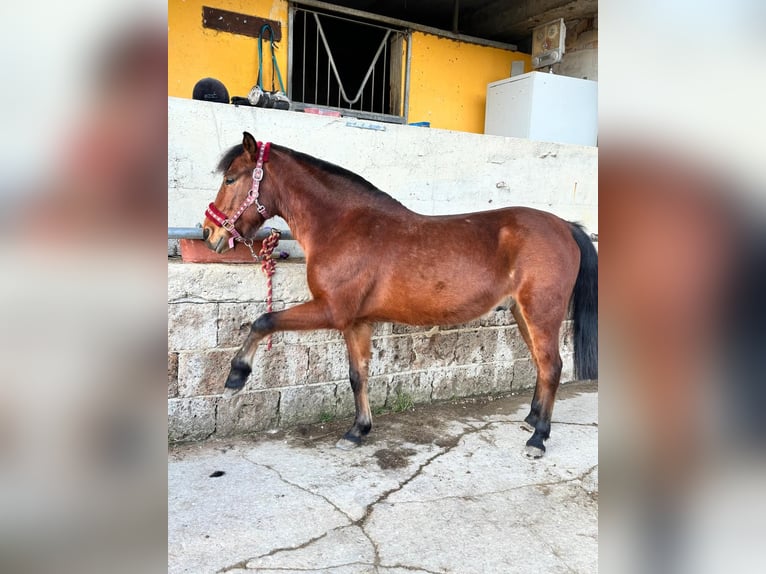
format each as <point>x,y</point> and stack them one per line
<point>236,23</point>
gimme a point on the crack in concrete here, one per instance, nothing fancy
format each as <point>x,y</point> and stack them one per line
<point>274,551</point>
<point>344,565</point>
<point>375,547</point>
<point>473,497</point>
<point>540,536</point>
<point>553,423</point>
<point>303,488</point>
<point>298,569</point>
<point>242,564</point>
<point>554,551</point>
<point>410,568</point>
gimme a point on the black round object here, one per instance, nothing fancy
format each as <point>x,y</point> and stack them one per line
<point>211,90</point>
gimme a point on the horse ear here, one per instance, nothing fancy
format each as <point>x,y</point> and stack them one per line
<point>249,143</point>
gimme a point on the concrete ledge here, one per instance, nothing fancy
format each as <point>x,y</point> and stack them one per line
<point>304,378</point>
<point>431,171</point>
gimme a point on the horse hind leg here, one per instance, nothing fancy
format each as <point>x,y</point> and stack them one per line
<point>358,341</point>
<point>540,325</point>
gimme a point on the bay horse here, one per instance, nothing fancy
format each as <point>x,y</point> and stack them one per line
<point>370,259</point>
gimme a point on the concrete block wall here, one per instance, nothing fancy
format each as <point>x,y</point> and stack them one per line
<point>304,378</point>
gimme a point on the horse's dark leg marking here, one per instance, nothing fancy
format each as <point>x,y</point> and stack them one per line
<point>307,316</point>
<point>548,376</point>
<point>358,339</point>
<point>534,412</point>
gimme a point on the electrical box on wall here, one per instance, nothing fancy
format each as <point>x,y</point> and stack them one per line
<point>548,43</point>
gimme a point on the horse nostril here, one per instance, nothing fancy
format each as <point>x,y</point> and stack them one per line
<point>205,233</point>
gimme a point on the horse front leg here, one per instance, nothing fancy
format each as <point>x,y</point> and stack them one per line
<point>358,339</point>
<point>304,317</point>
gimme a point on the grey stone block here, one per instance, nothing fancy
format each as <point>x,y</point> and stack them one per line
<point>312,337</point>
<point>377,392</point>
<point>344,399</point>
<point>510,345</point>
<point>215,282</point>
<point>172,375</point>
<point>327,362</point>
<point>472,380</point>
<point>290,284</point>
<point>441,385</point>
<point>234,320</point>
<point>191,418</point>
<point>192,326</point>
<point>502,318</point>
<point>306,404</point>
<point>382,329</point>
<point>524,374</point>
<point>567,368</point>
<point>566,342</point>
<point>474,347</point>
<point>401,329</point>
<point>503,377</point>
<point>203,372</point>
<point>452,348</point>
<point>391,355</point>
<point>416,385</point>
<point>462,381</point>
<point>247,412</point>
<point>283,365</point>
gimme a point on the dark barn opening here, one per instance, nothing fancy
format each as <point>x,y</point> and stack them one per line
<point>364,56</point>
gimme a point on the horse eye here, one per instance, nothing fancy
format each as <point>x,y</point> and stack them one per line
<point>230,180</point>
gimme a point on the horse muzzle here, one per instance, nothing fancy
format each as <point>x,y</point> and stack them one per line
<point>215,239</point>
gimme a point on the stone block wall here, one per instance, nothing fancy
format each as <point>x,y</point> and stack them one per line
<point>304,378</point>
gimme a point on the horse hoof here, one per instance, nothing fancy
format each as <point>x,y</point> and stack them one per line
<point>345,444</point>
<point>228,392</point>
<point>533,452</point>
<point>527,427</point>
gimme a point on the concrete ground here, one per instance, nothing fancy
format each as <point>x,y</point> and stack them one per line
<point>442,488</point>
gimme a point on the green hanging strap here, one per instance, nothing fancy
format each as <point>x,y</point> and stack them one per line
<point>273,59</point>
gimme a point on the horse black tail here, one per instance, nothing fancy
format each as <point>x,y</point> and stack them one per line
<point>585,308</point>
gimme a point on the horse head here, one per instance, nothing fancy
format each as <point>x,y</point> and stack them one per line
<point>238,210</point>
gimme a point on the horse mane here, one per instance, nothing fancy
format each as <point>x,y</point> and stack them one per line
<point>331,168</point>
<point>228,158</point>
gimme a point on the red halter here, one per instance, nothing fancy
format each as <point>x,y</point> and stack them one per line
<point>219,218</point>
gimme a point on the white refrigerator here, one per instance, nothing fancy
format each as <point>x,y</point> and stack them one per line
<point>543,107</point>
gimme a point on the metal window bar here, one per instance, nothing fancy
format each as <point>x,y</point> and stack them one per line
<point>197,233</point>
<point>367,102</point>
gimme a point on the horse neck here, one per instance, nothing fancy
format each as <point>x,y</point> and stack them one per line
<point>309,198</point>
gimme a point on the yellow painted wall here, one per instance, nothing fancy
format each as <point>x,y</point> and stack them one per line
<point>448,81</point>
<point>195,52</point>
